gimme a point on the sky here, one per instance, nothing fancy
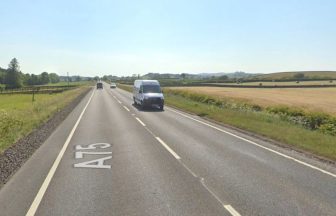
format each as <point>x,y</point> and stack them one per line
<point>89,38</point>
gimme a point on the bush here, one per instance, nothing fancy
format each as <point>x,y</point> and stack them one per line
<point>315,120</point>
<point>284,110</point>
<point>329,127</point>
<point>8,124</point>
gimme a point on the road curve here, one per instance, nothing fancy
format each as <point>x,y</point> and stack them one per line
<point>110,158</point>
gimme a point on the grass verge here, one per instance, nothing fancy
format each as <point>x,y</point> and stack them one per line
<point>19,115</point>
<point>263,123</point>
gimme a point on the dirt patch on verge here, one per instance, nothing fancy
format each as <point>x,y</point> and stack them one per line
<point>16,155</point>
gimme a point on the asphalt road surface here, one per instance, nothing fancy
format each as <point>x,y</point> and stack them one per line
<point>110,158</point>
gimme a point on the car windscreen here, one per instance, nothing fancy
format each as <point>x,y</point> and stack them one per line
<point>151,89</point>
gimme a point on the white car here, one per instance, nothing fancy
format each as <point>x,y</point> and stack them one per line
<point>113,85</point>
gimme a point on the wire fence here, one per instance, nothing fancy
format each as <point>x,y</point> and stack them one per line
<point>37,89</point>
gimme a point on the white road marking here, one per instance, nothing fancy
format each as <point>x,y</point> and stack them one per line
<point>143,124</point>
<point>231,210</point>
<point>119,101</point>
<point>168,148</point>
<point>187,168</point>
<point>95,164</point>
<point>259,145</point>
<point>93,146</point>
<point>211,192</point>
<point>41,192</point>
<point>80,154</point>
<point>126,108</point>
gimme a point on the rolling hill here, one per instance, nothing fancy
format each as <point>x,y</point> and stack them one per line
<point>291,75</point>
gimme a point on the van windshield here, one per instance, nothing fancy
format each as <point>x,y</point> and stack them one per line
<point>151,89</point>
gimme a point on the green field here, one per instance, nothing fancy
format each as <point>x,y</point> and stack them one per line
<point>19,115</point>
<point>245,117</point>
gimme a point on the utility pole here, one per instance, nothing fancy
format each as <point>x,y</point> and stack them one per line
<point>33,99</point>
<point>68,78</point>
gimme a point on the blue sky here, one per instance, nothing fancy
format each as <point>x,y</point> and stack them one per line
<point>135,37</point>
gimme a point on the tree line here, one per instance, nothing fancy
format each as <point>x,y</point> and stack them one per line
<point>12,77</point>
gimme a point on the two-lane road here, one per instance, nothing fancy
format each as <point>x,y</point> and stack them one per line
<point>109,158</point>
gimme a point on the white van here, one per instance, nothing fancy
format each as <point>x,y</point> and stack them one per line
<point>148,93</point>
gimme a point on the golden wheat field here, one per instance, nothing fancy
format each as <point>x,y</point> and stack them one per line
<point>312,99</point>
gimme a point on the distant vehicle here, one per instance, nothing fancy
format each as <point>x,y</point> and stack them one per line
<point>148,93</point>
<point>113,85</point>
<point>99,85</point>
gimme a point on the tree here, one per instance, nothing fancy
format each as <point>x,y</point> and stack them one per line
<point>2,75</point>
<point>26,79</point>
<point>223,77</point>
<point>77,78</point>
<point>44,78</point>
<point>299,76</point>
<point>183,75</point>
<point>13,77</point>
<point>54,78</point>
<point>34,80</point>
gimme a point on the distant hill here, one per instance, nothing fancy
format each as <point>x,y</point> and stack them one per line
<point>294,74</point>
<point>237,75</point>
<point>161,76</point>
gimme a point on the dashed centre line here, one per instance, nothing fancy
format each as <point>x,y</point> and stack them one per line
<point>126,108</point>
<point>168,148</point>
<point>230,209</point>
<point>143,124</point>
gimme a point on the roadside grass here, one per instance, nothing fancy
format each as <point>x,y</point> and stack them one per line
<point>19,115</point>
<point>263,123</point>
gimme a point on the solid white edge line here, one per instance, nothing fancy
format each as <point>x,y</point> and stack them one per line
<point>168,148</point>
<point>33,208</point>
<point>143,124</point>
<point>230,209</point>
<point>126,108</point>
<point>259,145</point>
